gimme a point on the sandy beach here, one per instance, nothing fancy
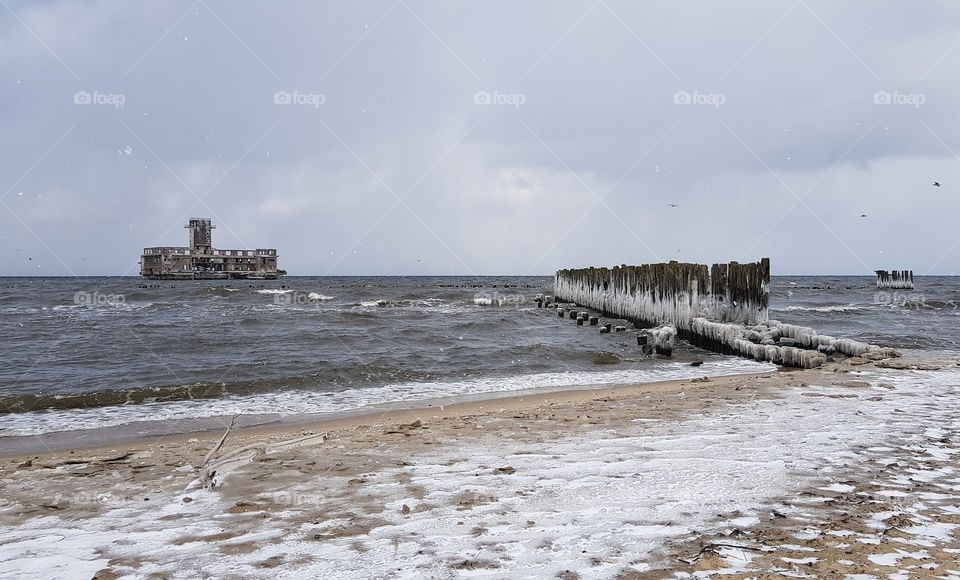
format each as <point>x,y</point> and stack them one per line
<point>848,469</point>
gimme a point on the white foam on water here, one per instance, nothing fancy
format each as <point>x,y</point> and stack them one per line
<point>833,308</point>
<point>317,296</point>
<point>275,291</point>
<point>299,402</point>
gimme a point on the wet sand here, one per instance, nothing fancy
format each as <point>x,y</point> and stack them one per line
<point>768,475</point>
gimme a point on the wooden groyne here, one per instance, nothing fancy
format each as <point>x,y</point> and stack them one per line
<point>724,308</point>
<point>898,279</point>
<point>674,293</point>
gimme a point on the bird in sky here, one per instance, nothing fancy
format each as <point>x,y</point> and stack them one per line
<point>863,215</point>
<point>936,184</point>
<point>671,205</point>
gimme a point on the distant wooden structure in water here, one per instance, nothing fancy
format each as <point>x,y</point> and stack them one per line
<point>723,308</point>
<point>899,280</point>
<point>201,261</point>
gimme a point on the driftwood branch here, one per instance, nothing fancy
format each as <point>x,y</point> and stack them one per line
<point>712,547</point>
<point>243,455</point>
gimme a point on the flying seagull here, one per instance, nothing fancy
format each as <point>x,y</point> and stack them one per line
<point>671,205</point>
<point>863,215</point>
<point>936,184</point>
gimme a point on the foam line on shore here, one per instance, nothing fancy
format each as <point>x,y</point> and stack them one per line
<point>299,402</point>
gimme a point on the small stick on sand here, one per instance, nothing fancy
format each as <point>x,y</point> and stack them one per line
<point>206,473</point>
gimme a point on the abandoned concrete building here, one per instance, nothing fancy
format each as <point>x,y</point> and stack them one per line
<point>200,261</point>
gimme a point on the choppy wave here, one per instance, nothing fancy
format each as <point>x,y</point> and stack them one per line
<point>275,291</point>
<point>829,308</point>
<point>41,401</point>
<point>415,303</point>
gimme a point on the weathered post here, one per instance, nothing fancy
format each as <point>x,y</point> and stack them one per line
<point>723,308</point>
<point>898,280</point>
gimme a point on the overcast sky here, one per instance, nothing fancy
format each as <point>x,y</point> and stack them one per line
<point>412,137</point>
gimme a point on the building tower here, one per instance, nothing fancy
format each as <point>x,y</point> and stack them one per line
<point>201,236</point>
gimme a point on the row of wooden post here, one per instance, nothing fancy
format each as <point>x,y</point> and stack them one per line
<point>724,309</point>
<point>649,341</point>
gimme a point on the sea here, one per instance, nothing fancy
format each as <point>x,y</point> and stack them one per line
<point>161,356</point>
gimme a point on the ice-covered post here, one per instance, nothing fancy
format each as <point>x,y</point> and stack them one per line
<point>899,280</point>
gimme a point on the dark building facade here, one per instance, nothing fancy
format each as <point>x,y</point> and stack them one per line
<point>201,261</point>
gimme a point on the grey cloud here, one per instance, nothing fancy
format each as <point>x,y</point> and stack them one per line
<point>487,188</point>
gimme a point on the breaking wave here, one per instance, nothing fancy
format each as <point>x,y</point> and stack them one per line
<point>833,308</point>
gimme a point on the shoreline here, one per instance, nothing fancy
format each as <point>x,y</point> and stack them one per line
<point>211,428</point>
<point>145,430</point>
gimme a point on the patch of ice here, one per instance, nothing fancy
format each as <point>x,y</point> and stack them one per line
<point>810,560</point>
<point>893,559</point>
<point>941,532</point>
<point>743,522</point>
<point>838,488</point>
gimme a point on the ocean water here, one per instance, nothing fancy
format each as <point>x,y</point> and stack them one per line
<point>99,352</point>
